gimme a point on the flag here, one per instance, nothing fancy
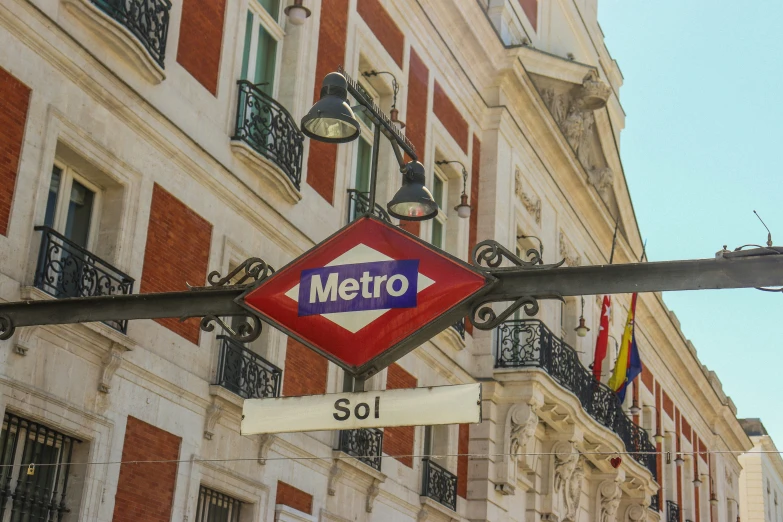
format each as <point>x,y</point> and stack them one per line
<point>603,338</point>
<point>629,364</point>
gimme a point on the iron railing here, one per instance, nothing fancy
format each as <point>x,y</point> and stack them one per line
<point>672,511</point>
<point>439,484</point>
<point>147,20</point>
<point>246,373</point>
<point>39,495</point>
<point>67,270</point>
<point>359,204</point>
<point>655,503</point>
<point>269,129</point>
<point>529,343</point>
<point>364,444</point>
<point>216,507</point>
<point>459,327</point>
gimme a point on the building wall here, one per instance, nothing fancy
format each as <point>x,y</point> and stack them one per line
<point>180,199</point>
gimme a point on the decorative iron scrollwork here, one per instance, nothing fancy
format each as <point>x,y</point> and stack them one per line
<point>7,327</point>
<point>247,332</point>
<point>491,254</point>
<point>253,268</point>
<point>483,316</point>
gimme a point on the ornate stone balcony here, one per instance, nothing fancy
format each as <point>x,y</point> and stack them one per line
<point>439,484</point>
<point>528,343</point>
<point>245,373</point>
<point>364,444</point>
<point>672,511</point>
<point>67,270</point>
<point>266,133</point>
<point>359,203</point>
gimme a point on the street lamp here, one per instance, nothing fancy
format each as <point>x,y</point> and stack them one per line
<point>297,13</point>
<point>463,209</point>
<point>332,120</point>
<point>582,329</point>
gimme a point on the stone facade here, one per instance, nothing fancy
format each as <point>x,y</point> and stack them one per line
<point>761,480</point>
<point>523,93</point>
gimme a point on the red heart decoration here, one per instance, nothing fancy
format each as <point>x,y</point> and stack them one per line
<point>616,461</point>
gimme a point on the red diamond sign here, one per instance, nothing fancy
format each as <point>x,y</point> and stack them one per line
<point>364,291</point>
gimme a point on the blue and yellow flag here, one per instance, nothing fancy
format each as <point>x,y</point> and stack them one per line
<point>629,364</point>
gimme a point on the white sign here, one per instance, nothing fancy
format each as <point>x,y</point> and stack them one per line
<point>459,404</point>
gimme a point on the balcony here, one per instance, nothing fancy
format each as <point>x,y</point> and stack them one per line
<point>364,444</point>
<point>528,343</point>
<point>655,503</point>
<point>265,132</point>
<point>359,204</point>
<point>439,484</point>
<point>147,20</point>
<point>459,327</point>
<point>672,511</point>
<point>245,373</point>
<point>67,270</point>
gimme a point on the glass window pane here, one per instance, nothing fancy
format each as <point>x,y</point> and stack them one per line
<point>437,191</point>
<point>265,60</point>
<point>362,115</point>
<point>77,227</point>
<point>437,233</point>
<point>248,38</point>
<point>272,7</point>
<point>363,165</point>
<point>51,201</point>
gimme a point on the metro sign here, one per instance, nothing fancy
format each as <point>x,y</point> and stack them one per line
<point>369,292</point>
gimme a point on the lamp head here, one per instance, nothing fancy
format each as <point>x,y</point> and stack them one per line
<point>413,202</point>
<point>463,209</point>
<point>582,329</point>
<point>331,119</point>
<point>297,13</point>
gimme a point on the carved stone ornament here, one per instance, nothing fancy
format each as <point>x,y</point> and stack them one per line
<point>531,203</point>
<point>595,92</point>
<point>609,494</point>
<point>521,424</point>
<point>26,339</point>
<point>636,513</point>
<point>566,460</point>
<point>573,491</point>
<point>111,362</point>
<point>602,179</point>
<point>567,252</point>
<point>372,493</point>
<point>264,443</point>
<point>214,411</point>
<point>334,477</point>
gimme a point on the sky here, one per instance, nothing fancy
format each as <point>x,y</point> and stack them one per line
<point>703,96</point>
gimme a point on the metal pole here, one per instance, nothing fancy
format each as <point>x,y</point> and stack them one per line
<point>376,145</point>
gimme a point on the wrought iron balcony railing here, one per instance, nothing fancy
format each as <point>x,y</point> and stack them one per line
<point>67,270</point>
<point>459,327</point>
<point>147,20</point>
<point>364,444</point>
<point>246,373</point>
<point>269,129</point>
<point>655,503</point>
<point>359,203</point>
<point>672,511</point>
<point>529,343</point>
<point>439,484</point>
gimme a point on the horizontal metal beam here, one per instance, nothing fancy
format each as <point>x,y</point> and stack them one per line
<point>197,302</point>
<point>699,274</point>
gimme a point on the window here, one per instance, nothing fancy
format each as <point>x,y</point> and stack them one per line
<point>216,507</point>
<point>37,493</point>
<point>440,185</point>
<point>262,36</point>
<point>72,206</point>
<point>363,159</point>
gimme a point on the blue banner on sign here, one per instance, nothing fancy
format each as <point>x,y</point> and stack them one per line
<point>361,286</point>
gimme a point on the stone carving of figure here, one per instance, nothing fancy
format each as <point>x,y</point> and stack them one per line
<point>564,467</point>
<point>610,493</point>
<point>557,104</point>
<point>522,430</point>
<point>573,494</point>
<point>601,178</point>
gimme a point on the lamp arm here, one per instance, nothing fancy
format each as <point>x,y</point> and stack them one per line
<point>398,155</point>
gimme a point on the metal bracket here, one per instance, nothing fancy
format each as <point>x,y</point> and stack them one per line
<point>254,268</point>
<point>491,254</point>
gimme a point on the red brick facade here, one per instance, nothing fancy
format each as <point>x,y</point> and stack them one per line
<point>463,443</point>
<point>417,110</point>
<point>305,371</point>
<point>287,495</point>
<point>332,35</point>
<point>530,7</point>
<point>177,254</point>
<point>14,101</point>
<point>647,378</point>
<point>474,206</point>
<point>201,39</point>
<point>445,110</point>
<point>399,441</point>
<point>383,27</point>
<point>146,491</point>
<point>668,405</point>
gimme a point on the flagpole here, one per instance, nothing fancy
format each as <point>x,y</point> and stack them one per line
<point>614,240</point>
